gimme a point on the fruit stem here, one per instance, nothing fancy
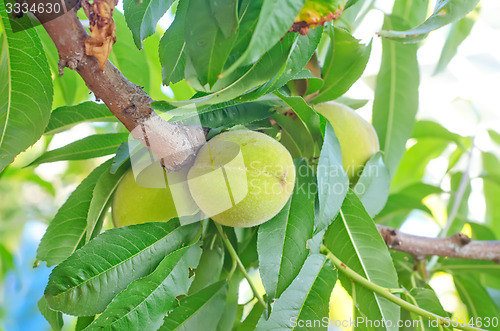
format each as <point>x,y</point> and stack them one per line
<point>386,293</point>
<point>236,259</point>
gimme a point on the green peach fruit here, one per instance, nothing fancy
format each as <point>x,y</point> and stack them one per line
<point>149,198</point>
<point>242,178</point>
<point>357,137</point>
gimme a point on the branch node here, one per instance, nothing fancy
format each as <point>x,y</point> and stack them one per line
<point>460,239</point>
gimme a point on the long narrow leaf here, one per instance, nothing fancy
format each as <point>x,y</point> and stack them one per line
<point>25,86</point>
<point>65,117</point>
<point>396,97</point>
<point>282,241</point>
<point>86,148</point>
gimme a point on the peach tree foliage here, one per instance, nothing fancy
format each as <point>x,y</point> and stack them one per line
<point>239,65</point>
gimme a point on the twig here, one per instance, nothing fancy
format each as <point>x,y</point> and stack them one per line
<point>458,245</point>
<point>386,293</point>
<point>236,258</point>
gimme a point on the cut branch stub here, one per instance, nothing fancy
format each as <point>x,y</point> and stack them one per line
<point>102,28</point>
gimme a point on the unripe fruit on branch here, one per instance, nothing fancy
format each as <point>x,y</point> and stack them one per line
<point>242,178</point>
<point>148,198</point>
<point>357,137</point>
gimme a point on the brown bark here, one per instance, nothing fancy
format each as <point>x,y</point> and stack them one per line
<point>458,245</point>
<point>175,145</point>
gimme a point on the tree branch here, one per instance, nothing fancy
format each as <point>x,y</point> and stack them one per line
<point>458,245</point>
<point>175,145</point>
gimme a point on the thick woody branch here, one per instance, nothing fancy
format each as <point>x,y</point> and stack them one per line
<point>173,144</point>
<point>458,245</point>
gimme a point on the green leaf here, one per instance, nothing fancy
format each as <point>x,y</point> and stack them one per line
<point>144,303</point>
<point>226,114</point>
<point>172,46</point>
<point>414,162</point>
<point>306,300</point>
<point>101,198</point>
<point>396,97</point>
<point>458,32</point>
<point>431,129</point>
<point>199,311</point>
<point>445,12</point>
<point>307,115</point>
<point>373,185</point>
<point>86,282</point>
<point>262,71</point>
<point>333,183</point>
<point>86,148</point>
<point>226,15</point>
<point>276,17</point>
<point>295,136</point>
<point>25,87</point>
<point>206,45</point>
<point>479,303</point>
<point>282,241</point>
<point>302,51</point>
<point>54,318</point>
<point>400,203</point>
<point>345,62</point>
<point>142,17</point>
<point>68,228</point>
<point>63,118</point>
<point>126,57</point>
<point>355,240</point>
